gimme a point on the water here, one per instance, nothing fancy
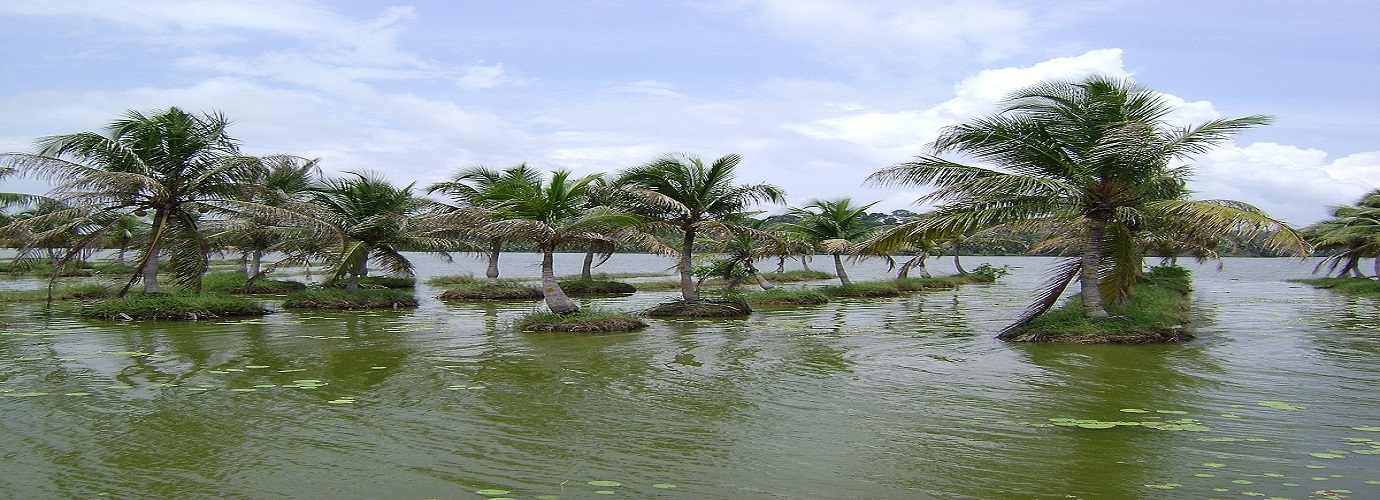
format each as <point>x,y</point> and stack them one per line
<point>901,398</point>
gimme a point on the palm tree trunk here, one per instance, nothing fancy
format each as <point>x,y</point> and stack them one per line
<point>757,275</point>
<point>838,269</point>
<point>360,269</point>
<point>781,264</point>
<point>1090,282</point>
<point>587,271</point>
<point>805,262</point>
<point>256,262</point>
<point>1376,270</point>
<point>495,246</point>
<point>556,299</point>
<point>150,271</point>
<point>688,290</point>
<point>957,264</point>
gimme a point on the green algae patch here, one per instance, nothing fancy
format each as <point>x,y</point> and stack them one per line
<point>1156,312</point>
<point>336,299</point>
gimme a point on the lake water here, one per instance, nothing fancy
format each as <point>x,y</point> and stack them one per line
<point>897,398</point>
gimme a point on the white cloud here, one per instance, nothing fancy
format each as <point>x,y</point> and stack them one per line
<point>480,76</point>
<point>1288,182</point>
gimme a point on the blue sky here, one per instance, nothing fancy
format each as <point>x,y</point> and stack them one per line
<point>814,94</point>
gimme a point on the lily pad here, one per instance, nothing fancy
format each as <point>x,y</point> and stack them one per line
<point>605,483</point>
<point>1279,405</point>
<point>1368,428</point>
<point>663,486</point>
<point>1326,455</point>
<point>493,492</point>
<point>1134,410</point>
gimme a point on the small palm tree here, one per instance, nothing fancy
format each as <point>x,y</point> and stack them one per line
<point>376,221</point>
<point>834,226</point>
<point>553,215</point>
<point>679,192</point>
<point>481,188</point>
<point>1351,234</point>
<point>171,166</point>
<point>1096,155</point>
<point>267,220</point>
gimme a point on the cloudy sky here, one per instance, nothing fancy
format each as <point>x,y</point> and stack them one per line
<point>814,94</point>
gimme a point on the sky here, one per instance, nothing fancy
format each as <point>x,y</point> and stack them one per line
<point>815,95</point>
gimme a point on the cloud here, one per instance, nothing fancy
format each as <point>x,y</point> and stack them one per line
<point>480,76</point>
<point>1295,184</point>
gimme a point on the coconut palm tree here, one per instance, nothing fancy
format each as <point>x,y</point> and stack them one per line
<point>480,187</point>
<point>171,166</point>
<point>376,221</point>
<point>270,220</point>
<point>1097,155</point>
<point>553,215</point>
<point>679,192</point>
<point>1351,234</point>
<point>835,227</point>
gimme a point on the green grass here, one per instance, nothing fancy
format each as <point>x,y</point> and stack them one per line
<point>1352,286</point>
<point>578,287</point>
<point>940,282</point>
<point>783,297</point>
<point>588,320</point>
<point>333,298</point>
<point>234,282</point>
<point>1158,311</point>
<point>867,290</point>
<point>173,306</point>
<point>478,290</point>
<point>381,282</point>
<point>77,291</point>
<point>797,275</point>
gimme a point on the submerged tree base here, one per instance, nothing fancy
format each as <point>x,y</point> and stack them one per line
<point>704,308</point>
<point>1158,312</point>
<point>170,306</point>
<point>582,322</point>
<point>327,298</point>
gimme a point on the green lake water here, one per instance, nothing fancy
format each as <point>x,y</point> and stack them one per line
<point>896,398</point>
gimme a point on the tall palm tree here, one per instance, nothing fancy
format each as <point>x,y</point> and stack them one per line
<point>835,227</point>
<point>377,221</point>
<point>680,193</point>
<point>171,166</point>
<point>1095,154</point>
<point>553,215</point>
<point>481,187</point>
<point>1352,233</point>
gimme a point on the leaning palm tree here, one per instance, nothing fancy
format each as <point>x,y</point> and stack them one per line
<point>266,221</point>
<point>1096,154</point>
<point>1351,234</point>
<point>834,227</point>
<point>376,221</point>
<point>171,166</point>
<point>553,215</point>
<point>678,192</point>
<point>481,188</point>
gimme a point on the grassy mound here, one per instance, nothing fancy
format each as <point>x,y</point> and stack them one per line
<point>381,282</point>
<point>583,321</point>
<point>1351,286</point>
<point>1157,312</point>
<point>780,297</point>
<point>579,287</point>
<point>79,291</point>
<point>862,290</point>
<point>235,282</point>
<point>174,306</point>
<point>482,291</point>
<point>330,298</point>
<point>797,275</point>
<point>706,308</point>
<point>940,282</point>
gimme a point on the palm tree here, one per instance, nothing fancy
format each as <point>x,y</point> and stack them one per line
<point>1096,155</point>
<point>834,226</point>
<point>680,193</point>
<point>171,166</point>
<point>480,187</point>
<point>553,215</point>
<point>377,221</point>
<point>268,220</point>
<point>1352,233</point>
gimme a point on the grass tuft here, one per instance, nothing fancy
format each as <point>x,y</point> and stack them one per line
<point>862,290</point>
<point>478,290</point>
<point>588,320</point>
<point>797,275</point>
<point>235,281</point>
<point>174,306</point>
<point>331,298</point>
<point>1351,286</point>
<point>579,287</point>
<point>782,297</point>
